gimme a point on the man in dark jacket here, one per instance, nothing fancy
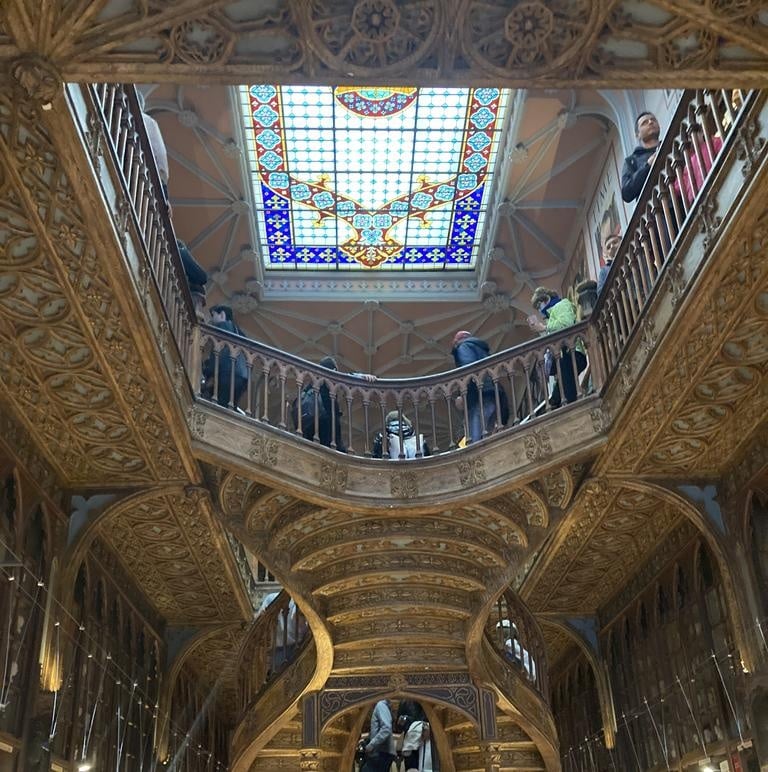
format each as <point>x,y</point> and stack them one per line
<point>481,404</point>
<point>639,163</point>
<point>222,317</point>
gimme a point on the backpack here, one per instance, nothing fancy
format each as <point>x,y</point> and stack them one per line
<point>308,403</point>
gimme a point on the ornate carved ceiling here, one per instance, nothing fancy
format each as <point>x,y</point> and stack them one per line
<point>615,43</point>
<point>165,542</point>
<point>609,531</point>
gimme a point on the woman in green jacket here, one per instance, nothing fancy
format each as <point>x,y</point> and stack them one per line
<point>558,314</point>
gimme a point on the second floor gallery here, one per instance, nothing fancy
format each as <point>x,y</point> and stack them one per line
<point>383,386</point>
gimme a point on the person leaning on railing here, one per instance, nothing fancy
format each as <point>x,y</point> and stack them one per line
<point>558,314</point>
<point>223,318</point>
<point>638,164</point>
<point>321,408</point>
<point>466,350</point>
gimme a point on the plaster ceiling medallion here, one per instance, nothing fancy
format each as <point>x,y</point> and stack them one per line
<point>364,177</point>
<point>525,38</point>
<point>372,37</point>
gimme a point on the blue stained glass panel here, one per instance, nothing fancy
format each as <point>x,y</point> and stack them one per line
<point>371,177</point>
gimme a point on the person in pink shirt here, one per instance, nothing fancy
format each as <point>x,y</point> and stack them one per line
<point>707,159</point>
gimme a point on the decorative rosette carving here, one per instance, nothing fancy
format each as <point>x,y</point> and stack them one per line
<point>526,37</point>
<point>372,36</point>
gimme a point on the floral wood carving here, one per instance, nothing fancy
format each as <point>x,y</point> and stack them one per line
<point>333,477</point>
<point>471,472</point>
<point>537,445</point>
<point>404,485</point>
<point>263,451</point>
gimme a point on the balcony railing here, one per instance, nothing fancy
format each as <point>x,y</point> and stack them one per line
<point>116,115</point>
<point>515,386</point>
<point>346,412</point>
<point>687,159</point>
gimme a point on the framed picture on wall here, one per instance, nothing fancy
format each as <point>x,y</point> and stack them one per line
<point>606,213</point>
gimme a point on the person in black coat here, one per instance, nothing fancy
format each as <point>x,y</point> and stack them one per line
<point>637,165</point>
<point>481,404</point>
<point>329,428</point>
<point>222,317</point>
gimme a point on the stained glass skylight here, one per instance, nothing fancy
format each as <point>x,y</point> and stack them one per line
<point>363,178</point>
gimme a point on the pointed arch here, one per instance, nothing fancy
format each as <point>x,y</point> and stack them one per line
<point>717,543</point>
<point>599,671</point>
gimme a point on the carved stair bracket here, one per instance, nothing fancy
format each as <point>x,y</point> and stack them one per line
<point>709,222</point>
<point>750,145</point>
<point>333,477</point>
<point>38,78</point>
<point>93,140</point>
<point>404,485</point>
<point>649,336</point>
<point>196,421</point>
<point>263,451</point>
<point>310,760</point>
<point>676,282</point>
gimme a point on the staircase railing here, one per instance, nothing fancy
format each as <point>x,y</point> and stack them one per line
<point>289,393</point>
<point>687,159</point>
<point>515,634</point>
<point>274,641</point>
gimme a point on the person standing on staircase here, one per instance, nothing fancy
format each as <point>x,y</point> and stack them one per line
<point>379,752</point>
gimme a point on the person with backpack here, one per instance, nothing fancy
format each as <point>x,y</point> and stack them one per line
<point>481,403</point>
<point>319,410</point>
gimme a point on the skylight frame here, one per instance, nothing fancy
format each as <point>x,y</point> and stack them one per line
<point>455,253</point>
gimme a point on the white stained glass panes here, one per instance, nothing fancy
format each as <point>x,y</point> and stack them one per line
<point>374,177</point>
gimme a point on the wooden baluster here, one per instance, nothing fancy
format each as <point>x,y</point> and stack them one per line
<point>282,423</point>
<point>333,420</point>
<point>467,438</point>
<point>626,297</point>
<point>216,365</point>
<point>497,395</point>
<point>417,425</point>
<point>265,404</point>
<point>350,446</point>
<point>514,406</point>
<point>478,379</point>
<point>528,388</point>
<point>559,355</point>
<point>577,382</point>
<point>449,406</point>
<point>709,98</point>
